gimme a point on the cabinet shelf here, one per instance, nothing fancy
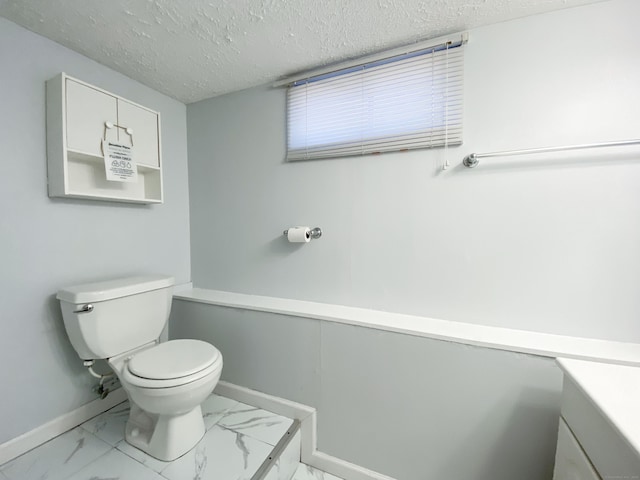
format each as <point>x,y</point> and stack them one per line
<point>79,156</point>
<point>79,117</point>
<point>111,198</point>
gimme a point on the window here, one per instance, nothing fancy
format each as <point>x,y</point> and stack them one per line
<point>399,103</point>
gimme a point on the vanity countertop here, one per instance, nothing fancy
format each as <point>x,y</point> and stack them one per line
<point>614,391</point>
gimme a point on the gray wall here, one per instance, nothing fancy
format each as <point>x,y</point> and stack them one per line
<point>410,407</point>
<point>546,244</point>
<point>50,243</point>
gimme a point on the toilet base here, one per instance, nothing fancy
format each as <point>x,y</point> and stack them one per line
<point>165,437</point>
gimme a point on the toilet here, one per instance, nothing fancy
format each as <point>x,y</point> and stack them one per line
<point>120,321</point>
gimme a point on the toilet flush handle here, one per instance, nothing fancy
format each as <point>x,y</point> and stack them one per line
<point>85,309</point>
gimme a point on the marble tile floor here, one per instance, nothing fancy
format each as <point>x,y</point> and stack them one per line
<point>239,438</point>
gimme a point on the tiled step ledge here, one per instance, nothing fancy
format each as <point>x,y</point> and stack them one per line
<point>306,415</point>
<point>522,341</point>
<point>284,458</point>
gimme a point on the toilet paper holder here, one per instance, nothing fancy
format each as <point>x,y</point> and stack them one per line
<point>315,233</point>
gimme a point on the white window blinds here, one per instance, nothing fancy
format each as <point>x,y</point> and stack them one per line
<point>399,103</point>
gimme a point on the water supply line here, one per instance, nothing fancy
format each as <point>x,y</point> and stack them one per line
<point>102,391</point>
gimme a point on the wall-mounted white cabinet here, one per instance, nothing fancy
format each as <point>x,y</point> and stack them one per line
<point>79,117</point>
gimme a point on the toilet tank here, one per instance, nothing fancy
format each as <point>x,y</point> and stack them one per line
<point>127,313</point>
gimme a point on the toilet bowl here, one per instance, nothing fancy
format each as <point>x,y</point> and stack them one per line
<point>120,321</point>
<point>166,383</point>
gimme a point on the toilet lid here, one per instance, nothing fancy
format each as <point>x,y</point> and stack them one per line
<point>173,359</point>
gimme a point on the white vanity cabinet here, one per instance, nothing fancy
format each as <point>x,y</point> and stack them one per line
<point>599,434</point>
<point>78,119</point>
<point>571,461</point>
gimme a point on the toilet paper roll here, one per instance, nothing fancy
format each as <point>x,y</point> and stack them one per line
<point>299,234</point>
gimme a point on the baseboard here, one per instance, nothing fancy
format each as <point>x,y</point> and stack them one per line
<point>30,440</point>
<point>342,468</point>
<point>308,431</point>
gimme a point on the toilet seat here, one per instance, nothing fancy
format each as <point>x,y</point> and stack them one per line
<point>173,363</point>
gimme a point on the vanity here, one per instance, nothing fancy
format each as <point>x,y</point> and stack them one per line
<point>599,432</point>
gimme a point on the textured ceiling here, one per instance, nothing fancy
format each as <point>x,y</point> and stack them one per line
<point>195,49</point>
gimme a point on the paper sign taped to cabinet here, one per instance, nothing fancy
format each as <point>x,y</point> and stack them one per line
<point>118,162</point>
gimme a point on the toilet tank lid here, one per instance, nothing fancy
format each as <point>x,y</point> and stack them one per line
<point>109,289</point>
